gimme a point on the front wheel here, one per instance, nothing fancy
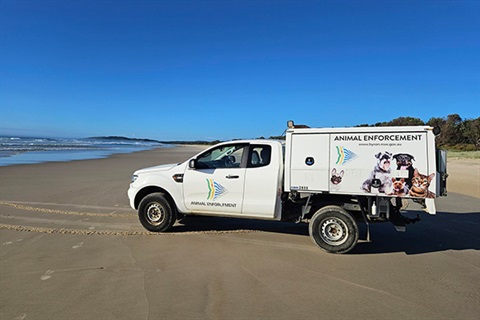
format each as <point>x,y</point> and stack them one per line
<point>155,213</point>
<point>333,229</point>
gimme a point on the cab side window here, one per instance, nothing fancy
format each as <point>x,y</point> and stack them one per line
<point>259,156</point>
<point>227,156</point>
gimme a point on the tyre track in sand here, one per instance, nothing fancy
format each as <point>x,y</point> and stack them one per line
<point>87,232</point>
<point>76,213</point>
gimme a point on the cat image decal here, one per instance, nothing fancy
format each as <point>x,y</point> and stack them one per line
<point>420,184</point>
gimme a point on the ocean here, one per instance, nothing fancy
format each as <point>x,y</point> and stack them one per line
<point>28,150</point>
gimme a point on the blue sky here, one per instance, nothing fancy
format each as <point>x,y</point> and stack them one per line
<point>232,69</point>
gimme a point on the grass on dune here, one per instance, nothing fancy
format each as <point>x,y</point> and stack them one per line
<point>453,154</point>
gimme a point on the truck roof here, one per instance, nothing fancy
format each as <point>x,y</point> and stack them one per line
<point>360,129</point>
<point>255,141</point>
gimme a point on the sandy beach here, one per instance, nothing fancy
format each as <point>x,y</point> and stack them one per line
<point>464,176</point>
<point>72,248</point>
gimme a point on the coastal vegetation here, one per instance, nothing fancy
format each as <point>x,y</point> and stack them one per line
<point>456,134</point>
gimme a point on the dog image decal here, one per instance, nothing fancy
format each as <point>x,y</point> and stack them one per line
<point>399,187</point>
<point>336,179</point>
<point>380,180</point>
<point>405,162</point>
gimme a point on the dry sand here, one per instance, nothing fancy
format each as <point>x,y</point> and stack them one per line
<point>71,248</point>
<point>464,176</point>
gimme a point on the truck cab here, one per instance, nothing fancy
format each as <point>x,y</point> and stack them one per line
<point>237,179</point>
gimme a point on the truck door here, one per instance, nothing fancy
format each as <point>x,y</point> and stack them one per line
<point>262,181</point>
<point>216,183</point>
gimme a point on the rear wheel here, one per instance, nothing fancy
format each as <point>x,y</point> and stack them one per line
<point>155,213</point>
<point>333,229</point>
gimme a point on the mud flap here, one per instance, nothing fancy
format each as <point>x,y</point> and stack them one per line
<point>430,206</point>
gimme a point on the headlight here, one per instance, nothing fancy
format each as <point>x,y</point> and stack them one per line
<point>134,177</point>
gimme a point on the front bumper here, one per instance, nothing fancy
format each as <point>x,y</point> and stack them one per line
<point>131,196</point>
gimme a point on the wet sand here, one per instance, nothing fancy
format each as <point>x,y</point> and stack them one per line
<point>71,248</point>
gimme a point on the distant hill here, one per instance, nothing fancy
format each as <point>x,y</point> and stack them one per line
<point>119,138</point>
<point>456,133</point>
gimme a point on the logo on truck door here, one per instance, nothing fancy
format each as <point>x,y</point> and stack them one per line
<point>215,190</point>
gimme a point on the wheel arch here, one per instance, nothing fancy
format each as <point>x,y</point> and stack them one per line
<point>153,189</point>
<point>320,201</point>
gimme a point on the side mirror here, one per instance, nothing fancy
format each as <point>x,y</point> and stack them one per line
<point>192,164</point>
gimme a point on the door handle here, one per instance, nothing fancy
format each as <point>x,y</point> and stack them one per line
<point>232,177</point>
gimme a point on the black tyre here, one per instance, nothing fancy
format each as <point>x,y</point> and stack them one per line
<point>333,229</point>
<point>155,213</point>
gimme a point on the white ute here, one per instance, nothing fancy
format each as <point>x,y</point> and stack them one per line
<point>331,178</point>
